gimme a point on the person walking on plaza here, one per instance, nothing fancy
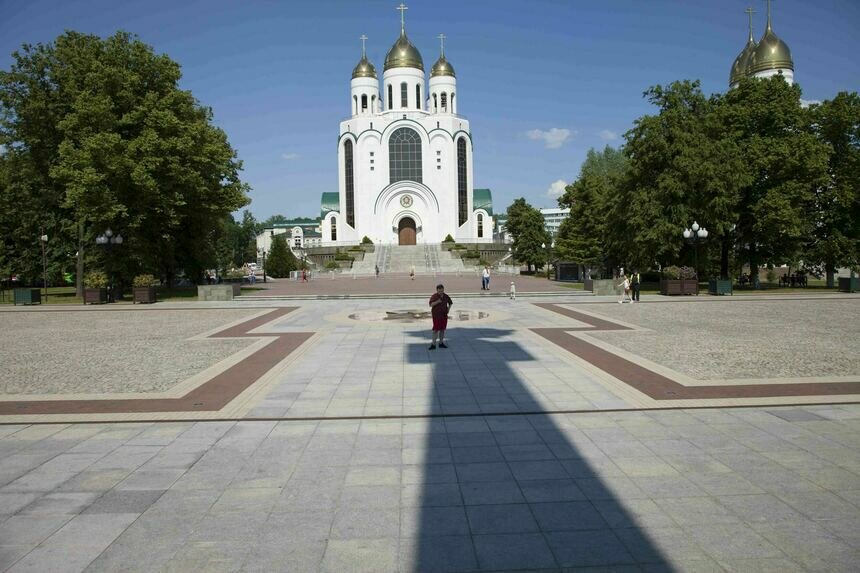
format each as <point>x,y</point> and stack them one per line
<point>440,304</point>
<point>485,279</point>
<point>376,268</point>
<point>412,272</point>
<point>623,286</point>
<point>635,283</point>
<point>513,291</point>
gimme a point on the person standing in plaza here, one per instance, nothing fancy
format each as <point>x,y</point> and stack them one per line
<point>412,272</point>
<point>440,304</point>
<point>485,279</point>
<point>376,268</point>
<point>635,283</point>
<point>623,287</point>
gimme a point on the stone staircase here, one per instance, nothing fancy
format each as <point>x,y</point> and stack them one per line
<point>425,259</point>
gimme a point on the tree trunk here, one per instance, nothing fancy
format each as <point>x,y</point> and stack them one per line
<point>753,260</point>
<point>724,257</point>
<point>830,271</point>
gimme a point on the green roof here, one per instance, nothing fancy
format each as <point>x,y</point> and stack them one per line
<point>297,222</point>
<point>329,203</point>
<point>483,199</point>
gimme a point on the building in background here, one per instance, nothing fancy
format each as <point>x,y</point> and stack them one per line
<point>552,219</point>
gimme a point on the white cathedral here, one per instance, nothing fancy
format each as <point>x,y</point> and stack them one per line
<point>405,158</point>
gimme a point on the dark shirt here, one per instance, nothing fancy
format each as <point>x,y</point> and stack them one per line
<point>440,310</point>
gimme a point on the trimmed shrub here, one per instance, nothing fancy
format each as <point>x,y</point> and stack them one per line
<point>96,279</point>
<point>366,240</point>
<point>144,281</point>
<point>448,238</point>
<point>332,265</point>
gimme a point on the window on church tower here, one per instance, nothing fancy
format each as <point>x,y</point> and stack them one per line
<point>404,95</point>
<point>404,156</point>
<point>349,183</point>
<point>462,199</point>
<point>417,96</point>
<point>364,102</point>
<point>444,101</point>
<point>480,226</point>
<point>334,228</point>
<point>390,97</point>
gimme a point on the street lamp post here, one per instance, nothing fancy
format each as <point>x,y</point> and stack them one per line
<point>43,238</point>
<point>108,240</point>
<point>264,266</point>
<point>694,234</point>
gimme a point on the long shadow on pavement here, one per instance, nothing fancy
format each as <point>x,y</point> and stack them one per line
<point>511,492</point>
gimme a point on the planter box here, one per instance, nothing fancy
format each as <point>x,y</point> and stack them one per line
<point>720,286</point>
<point>448,246</point>
<point>368,248</point>
<point>28,296</point>
<point>673,287</point>
<point>357,255</point>
<point>95,295</point>
<point>344,264</point>
<point>603,287</point>
<point>234,284</point>
<point>216,292</point>
<point>849,284</point>
<point>144,295</point>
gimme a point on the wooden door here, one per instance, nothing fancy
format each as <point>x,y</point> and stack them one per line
<point>406,231</point>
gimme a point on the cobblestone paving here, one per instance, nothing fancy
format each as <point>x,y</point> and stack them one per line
<point>775,489</point>
<point>94,351</point>
<point>743,339</point>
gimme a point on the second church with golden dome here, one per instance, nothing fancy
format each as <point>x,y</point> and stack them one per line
<point>768,57</point>
<point>405,157</point>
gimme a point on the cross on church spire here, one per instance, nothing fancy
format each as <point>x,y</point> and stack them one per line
<point>403,8</point>
<point>442,43</point>
<point>750,12</point>
<point>363,39</point>
<point>768,14</point>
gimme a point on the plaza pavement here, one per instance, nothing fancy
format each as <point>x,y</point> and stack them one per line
<point>538,441</point>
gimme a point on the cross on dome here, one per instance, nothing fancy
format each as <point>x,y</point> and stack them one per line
<point>442,42</point>
<point>363,39</point>
<point>403,8</point>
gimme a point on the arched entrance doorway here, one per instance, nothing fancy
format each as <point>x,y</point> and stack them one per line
<point>406,231</point>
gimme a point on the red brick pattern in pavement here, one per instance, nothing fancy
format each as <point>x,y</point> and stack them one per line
<point>659,387</point>
<point>212,395</point>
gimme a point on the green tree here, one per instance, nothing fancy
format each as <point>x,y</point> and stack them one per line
<point>280,260</point>
<point>101,136</point>
<point>582,237</point>
<point>786,164</point>
<point>526,226</point>
<point>836,232</point>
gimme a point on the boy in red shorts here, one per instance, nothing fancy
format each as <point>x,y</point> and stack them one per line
<point>440,304</point>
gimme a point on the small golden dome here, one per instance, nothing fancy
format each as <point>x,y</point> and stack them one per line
<point>442,67</point>
<point>364,69</point>
<point>740,68</point>
<point>403,55</point>
<point>771,53</point>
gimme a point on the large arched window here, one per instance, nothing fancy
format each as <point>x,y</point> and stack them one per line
<point>404,95</point>
<point>349,181</point>
<point>462,198</point>
<point>404,156</point>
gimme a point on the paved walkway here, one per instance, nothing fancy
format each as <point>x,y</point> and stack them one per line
<point>338,284</point>
<point>338,442</point>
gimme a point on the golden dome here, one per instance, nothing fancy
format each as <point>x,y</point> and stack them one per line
<point>364,69</point>
<point>771,53</point>
<point>442,67</point>
<point>741,66</point>
<point>403,55</point>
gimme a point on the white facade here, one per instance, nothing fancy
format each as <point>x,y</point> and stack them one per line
<point>383,194</point>
<point>552,219</point>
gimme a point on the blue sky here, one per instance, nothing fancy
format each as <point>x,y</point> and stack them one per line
<point>540,81</point>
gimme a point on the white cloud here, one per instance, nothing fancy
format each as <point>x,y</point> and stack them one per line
<point>608,135</point>
<point>809,102</point>
<point>556,189</point>
<point>553,138</point>
<point>290,156</point>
